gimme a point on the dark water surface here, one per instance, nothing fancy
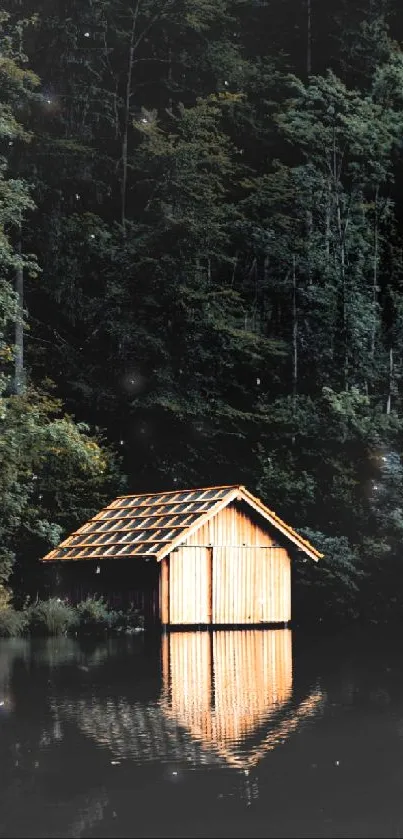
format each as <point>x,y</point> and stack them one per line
<point>235,734</point>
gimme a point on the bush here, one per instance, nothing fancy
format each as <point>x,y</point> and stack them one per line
<point>93,617</point>
<point>51,617</point>
<point>54,617</point>
<point>128,621</point>
<point>12,623</point>
<point>5,597</point>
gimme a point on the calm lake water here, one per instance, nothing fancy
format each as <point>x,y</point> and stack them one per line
<point>229,734</point>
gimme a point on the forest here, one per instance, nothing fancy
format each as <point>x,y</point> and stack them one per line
<point>201,272</point>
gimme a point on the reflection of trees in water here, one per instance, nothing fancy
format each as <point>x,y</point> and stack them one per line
<point>23,814</point>
<point>24,662</point>
<point>64,652</point>
<point>10,651</point>
<point>29,733</point>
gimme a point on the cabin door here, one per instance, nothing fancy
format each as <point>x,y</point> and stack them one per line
<point>250,585</point>
<point>188,584</point>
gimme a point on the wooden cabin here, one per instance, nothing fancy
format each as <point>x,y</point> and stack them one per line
<point>204,557</point>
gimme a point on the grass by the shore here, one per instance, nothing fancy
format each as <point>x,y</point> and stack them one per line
<point>56,617</point>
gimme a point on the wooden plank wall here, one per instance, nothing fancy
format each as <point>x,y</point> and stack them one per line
<point>251,585</point>
<point>233,527</point>
<point>188,586</point>
<point>247,586</point>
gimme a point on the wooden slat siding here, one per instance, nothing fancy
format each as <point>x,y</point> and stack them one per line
<point>164,604</point>
<point>246,581</point>
<point>173,589</point>
<point>251,586</point>
<point>209,585</point>
<point>188,586</point>
<point>275,586</point>
<point>230,527</point>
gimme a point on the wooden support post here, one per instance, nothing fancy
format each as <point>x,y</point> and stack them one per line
<point>210,585</point>
<point>165,591</point>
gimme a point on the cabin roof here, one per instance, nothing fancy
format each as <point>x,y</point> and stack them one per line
<point>152,525</point>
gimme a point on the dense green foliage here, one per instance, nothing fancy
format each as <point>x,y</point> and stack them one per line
<point>52,470</point>
<point>204,200</point>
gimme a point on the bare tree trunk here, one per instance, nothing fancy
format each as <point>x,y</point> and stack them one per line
<point>342,258</point>
<point>327,221</point>
<point>294,338</point>
<point>294,330</point>
<point>19,377</point>
<point>341,230</point>
<point>127,116</point>
<point>234,268</point>
<point>309,38</point>
<point>375,275</point>
<point>391,371</point>
<point>309,230</point>
<point>133,46</point>
<point>171,102</point>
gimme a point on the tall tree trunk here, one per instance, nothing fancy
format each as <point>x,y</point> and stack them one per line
<point>343,293</point>
<point>309,230</point>
<point>375,276</point>
<point>341,261</point>
<point>294,330</point>
<point>309,38</point>
<point>327,223</point>
<point>294,336</point>
<point>126,122</point>
<point>391,371</point>
<point>134,43</point>
<point>19,377</point>
<point>170,101</point>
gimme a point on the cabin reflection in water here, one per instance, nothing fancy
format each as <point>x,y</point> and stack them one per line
<point>226,700</point>
<point>232,691</point>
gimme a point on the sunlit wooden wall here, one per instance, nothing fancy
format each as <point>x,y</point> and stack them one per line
<point>188,586</point>
<point>227,573</point>
<point>251,585</point>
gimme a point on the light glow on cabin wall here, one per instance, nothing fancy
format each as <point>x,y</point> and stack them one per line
<point>240,579</point>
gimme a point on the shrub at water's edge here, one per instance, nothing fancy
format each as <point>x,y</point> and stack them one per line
<point>12,623</point>
<point>94,618</point>
<point>51,617</point>
<point>54,617</point>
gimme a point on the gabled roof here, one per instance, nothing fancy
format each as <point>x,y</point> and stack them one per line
<point>153,525</point>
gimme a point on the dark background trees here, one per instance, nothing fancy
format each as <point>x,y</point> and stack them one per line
<point>210,243</point>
